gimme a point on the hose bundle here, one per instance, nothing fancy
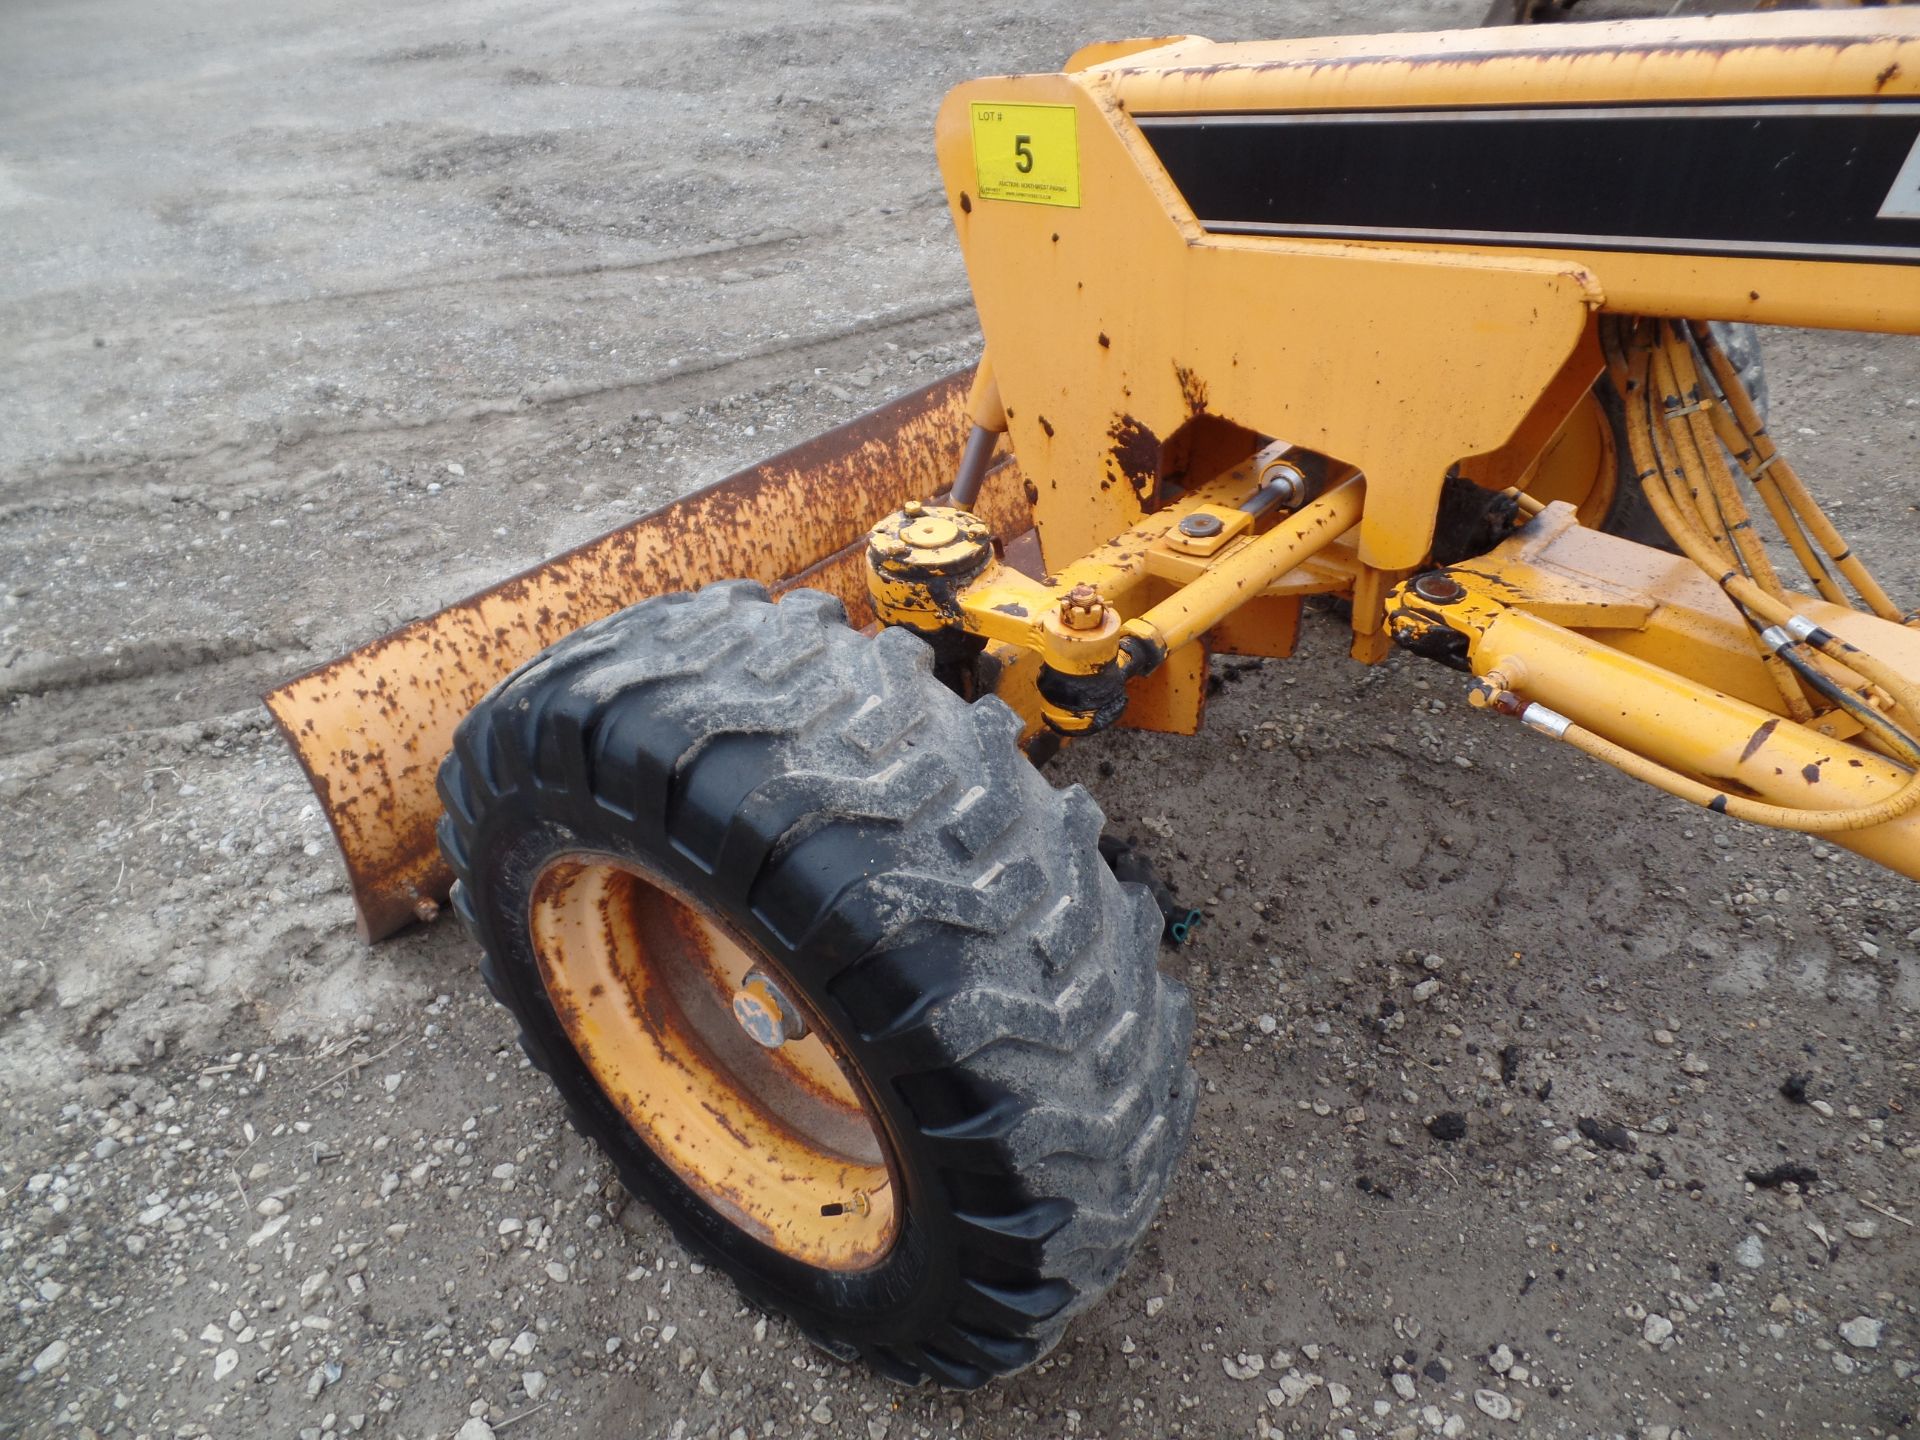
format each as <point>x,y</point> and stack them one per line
<point>1688,414</point>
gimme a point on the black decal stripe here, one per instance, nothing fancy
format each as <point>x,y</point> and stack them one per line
<point>1793,180</point>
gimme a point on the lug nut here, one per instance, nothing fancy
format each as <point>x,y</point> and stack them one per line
<point>765,1012</point>
<point>1083,609</point>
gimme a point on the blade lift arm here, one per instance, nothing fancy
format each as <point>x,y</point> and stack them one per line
<point>1117,613</point>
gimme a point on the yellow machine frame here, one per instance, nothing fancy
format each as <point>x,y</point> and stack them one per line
<point>1138,358</point>
<point>1213,420</point>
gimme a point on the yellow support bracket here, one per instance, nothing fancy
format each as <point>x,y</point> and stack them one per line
<point>1558,642</point>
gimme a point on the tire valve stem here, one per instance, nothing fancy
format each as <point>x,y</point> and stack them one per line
<point>861,1203</point>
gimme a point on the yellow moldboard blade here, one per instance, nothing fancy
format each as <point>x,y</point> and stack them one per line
<point>371,728</point>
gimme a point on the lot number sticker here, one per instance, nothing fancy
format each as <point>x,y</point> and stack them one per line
<point>1027,152</point>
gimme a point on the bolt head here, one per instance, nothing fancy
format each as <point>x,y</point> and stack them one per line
<point>931,532</point>
<point>1439,588</point>
<point>1200,526</point>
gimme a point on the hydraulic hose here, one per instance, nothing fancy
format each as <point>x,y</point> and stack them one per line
<point>1721,556</point>
<point>1771,468</point>
<point>1779,817</point>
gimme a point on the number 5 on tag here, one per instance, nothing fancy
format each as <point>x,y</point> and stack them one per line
<point>1029,153</point>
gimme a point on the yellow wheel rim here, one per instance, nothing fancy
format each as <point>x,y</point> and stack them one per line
<point>780,1141</point>
<point>1579,465</point>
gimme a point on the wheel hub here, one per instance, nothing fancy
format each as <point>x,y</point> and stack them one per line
<point>765,1012</point>
<point>715,1062</point>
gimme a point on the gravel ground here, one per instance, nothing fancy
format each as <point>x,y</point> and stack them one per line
<point>316,319</point>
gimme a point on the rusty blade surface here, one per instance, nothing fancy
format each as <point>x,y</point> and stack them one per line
<point>371,728</point>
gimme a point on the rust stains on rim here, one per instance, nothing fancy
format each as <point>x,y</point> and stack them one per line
<point>781,1142</point>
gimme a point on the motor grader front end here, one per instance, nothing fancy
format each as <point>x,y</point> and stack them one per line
<point>741,800</point>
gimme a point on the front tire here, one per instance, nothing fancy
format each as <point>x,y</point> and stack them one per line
<point>987,1086</point>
